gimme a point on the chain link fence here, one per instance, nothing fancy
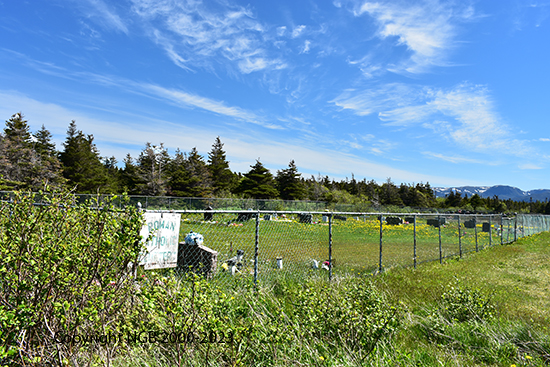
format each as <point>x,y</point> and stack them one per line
<point>259,246</point>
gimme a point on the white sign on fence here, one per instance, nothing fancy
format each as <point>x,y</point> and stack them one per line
<point>163,246</point>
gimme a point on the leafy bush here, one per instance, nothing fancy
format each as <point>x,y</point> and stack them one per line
<point>64,273</point>
<point>463,304</point>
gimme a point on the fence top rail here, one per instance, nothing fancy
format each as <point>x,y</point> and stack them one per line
<point>328,213</point>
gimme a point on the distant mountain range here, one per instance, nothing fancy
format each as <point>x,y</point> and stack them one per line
<point>503,192</point>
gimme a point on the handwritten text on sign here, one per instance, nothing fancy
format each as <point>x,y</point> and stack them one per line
<point>163,246</point>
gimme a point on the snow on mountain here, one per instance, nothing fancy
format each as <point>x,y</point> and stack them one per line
<point>502,191</point>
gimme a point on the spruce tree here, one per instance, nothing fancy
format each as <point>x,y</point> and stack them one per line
<point>43,144</point>
<point>258,183</point>
<point>16,154</point>
<point>289,184</point>
<point>223,179</point>
<point>189,175</point>
<point>23,160</point>
<point>130,179</point>
<point>82,165</point>
<point>389,194</point>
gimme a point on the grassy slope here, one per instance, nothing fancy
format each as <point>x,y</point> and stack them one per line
<point>518,276</point>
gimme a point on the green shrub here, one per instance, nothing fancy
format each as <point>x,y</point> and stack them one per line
<point>463,304</point>
<point>64,274</point>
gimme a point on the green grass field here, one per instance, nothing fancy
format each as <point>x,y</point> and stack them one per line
<point>490,308</point>
<point>355,242</point>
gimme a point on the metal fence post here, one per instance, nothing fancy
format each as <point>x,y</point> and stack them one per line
<point>490,231</point>
<point>440,249</point>
<point>475,231</point>
<point>330,247</point>
<point>459,239</point>
<point>414,248</point>
<point>516,228</point>
<point>501,229</point>
<point>380,258</point>
<point>256,245</point>
<point>508,232</point>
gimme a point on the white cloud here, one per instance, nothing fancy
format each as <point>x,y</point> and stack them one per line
<point>529,166</point>
<point>193,34</point>
<point>464,114</point>
<point>298,30</point>
<point>305,48</point>
<point>427,29</point>
<point>376,99</point>
<point>107,16</point>
<point>458,159</point>
<point>178,97</point>
<point>191,100</point>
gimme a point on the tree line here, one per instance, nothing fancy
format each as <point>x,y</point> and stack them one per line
<point>29,160</point>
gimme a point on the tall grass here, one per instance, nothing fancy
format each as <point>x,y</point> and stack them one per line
<point>461,313</point>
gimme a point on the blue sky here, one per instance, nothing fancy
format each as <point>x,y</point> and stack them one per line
<point>447,92</point>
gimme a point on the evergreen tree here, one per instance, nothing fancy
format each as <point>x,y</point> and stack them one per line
<point>82,165</point>
<point>50,166</point>
<point>17,129</point>
<point>130,178</point>
<point>16,154</point>
<point>114,174</point>
<point>289,184</point>
<point>223,179</point>
<point>43,144</point>
<point>189,175</point>
<point>454,199</point>
<point>258,183</point>
<point>389,194</point>
<point>476,201</point>
<point>24,159</point>
<point>178,184</point>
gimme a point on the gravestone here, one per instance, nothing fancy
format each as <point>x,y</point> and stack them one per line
<point>409,219</point>
<point>305,217</point>
<point>197,258</point>
<point>436,222</point>
<point>394,221</point>
<point>340,217</point>
<point>486,227</point>
<point>470,223</point>
<point>207,215</point>
<point>267,217</point>
<point>245,216</point>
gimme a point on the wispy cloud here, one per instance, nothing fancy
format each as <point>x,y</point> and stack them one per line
<point>103,14</point>
<point>306,47</point>
<point>464,114</point>
<point>458,159</point>
<point>529,166</point>
<point>195,35</point>
<point>427,29</point>
<point>175,96</point>
<point>528,14</point>
<point>298,30</point>
<point>185,99</point>
<point>375,99</point>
